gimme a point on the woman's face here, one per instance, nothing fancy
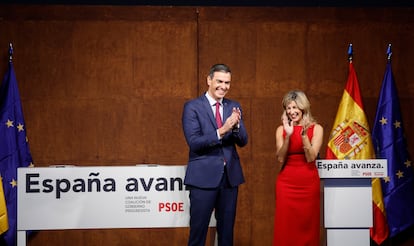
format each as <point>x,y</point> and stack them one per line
<point>294,113</point>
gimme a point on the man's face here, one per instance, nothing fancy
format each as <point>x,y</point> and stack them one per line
<point>219,85</point>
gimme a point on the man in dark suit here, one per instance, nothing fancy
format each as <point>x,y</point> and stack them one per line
<point>213,171</point>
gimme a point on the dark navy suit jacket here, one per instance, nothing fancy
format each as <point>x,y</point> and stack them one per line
<point>207,153</point>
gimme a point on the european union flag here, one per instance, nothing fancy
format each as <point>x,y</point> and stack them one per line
<point>389,143</point>
<point>14,147</point>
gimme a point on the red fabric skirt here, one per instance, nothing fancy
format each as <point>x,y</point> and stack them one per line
<point>297,212</point>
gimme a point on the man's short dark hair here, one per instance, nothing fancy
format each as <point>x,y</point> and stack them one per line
<point>219,68</point>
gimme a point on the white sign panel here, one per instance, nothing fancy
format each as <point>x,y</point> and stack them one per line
<point>370,168</point>
<point>140,196</point>
<point>348,203</point>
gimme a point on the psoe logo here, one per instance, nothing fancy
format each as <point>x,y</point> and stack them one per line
<point>367,174</point>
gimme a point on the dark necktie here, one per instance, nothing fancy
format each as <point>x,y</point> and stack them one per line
<point>218,116</point>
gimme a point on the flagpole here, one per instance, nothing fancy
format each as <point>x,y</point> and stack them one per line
<point>350,53</point>
<point>10,52</point>
<point>389,53</point>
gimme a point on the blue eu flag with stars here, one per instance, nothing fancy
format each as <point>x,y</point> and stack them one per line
<point>389,143</point>
<point>14,147</point>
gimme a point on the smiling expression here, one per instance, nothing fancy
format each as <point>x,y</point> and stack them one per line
<point>219,85</point>
<point>294,113</point>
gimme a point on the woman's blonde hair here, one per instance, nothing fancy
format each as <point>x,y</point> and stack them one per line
<point>301,101</point>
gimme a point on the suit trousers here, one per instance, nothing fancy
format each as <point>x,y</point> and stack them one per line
<point>223,201</point>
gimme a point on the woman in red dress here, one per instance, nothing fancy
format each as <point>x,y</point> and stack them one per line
<point>298,141</point>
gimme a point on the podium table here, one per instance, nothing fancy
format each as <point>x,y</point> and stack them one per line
<point>348,205</point>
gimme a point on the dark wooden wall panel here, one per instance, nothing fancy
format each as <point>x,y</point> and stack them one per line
<point>101,86</point>
<point>105,85</point>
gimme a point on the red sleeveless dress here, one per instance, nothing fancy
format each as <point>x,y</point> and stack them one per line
<point>297,213</point>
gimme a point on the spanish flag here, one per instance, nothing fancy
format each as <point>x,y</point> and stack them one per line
<point>351,139</point>
<point>379,231</point>
<point>350,136</point>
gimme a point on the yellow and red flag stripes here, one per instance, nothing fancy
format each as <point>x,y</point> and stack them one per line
<point>379,232</point>
<point>4,222</point>
<point>350,136</point>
